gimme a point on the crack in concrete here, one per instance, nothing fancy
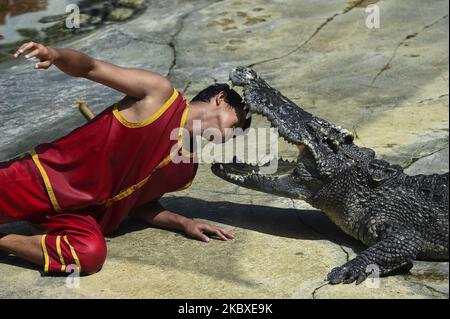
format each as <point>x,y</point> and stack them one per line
<point>187,86</point>
<point>314,292</point>
<point>172,43</point>
<point>387,65</point>
<point>347,255</point>
<point>432,289</point>
<point>433,98</point>
<point>318,29</point>
<point>415,159</point>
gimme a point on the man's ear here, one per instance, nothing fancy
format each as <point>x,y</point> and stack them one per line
<point>220,98</point>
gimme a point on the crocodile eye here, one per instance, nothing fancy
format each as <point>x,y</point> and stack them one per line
<point>333,144</point>
<point>348,138</point>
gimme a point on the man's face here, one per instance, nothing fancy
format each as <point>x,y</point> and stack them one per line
<point>229,122</point>
<point>228,119</point>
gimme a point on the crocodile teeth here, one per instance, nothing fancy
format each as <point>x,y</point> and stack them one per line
<point>288,161</point>
<point>238,178</point>
<point>266,159</point>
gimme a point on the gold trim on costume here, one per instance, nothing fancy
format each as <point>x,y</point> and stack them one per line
<point>130,190</point>
<point>74,254</point>
<point>44,250</point>
<point>58,249</point>
<point>47,182</point>
<point>184,152</point>
<point>148,121</point>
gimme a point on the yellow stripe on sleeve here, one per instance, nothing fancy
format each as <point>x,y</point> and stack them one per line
<point>148,121</point>
<point>74,254</point>
<point>44,250</point>
<point>58,249</point>
<point>47,182</point>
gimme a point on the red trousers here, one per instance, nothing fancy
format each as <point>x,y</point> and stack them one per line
<point>70,240</point>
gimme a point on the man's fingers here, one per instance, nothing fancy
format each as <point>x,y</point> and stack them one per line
<point>214,231</point>
<point>42,65</point>
<point>219,234</point>
<point>228,234</point>
<point>202,230</point>
<point>25,47</point>
<point>202,237</point>
<point>222,233</point>
<point>32,54</point>
<point>198,234</point>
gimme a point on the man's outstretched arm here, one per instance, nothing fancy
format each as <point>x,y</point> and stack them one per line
<point>136,83</point>
<point>155,215</point>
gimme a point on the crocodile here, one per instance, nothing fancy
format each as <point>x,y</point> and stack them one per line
<point>400,218</point>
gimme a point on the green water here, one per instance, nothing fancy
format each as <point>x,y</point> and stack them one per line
<point>19,19</point>
<point>44,21</point>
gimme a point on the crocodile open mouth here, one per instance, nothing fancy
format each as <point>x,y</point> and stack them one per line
<point>275,174</point>
<point>270,168</point>
<point>240,172</point>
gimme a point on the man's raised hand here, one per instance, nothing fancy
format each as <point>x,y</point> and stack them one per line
<point>46,55</point>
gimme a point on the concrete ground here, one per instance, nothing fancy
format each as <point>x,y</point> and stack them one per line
<point>388,85</point>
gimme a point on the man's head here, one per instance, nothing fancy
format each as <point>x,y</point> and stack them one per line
<point>226,108</point>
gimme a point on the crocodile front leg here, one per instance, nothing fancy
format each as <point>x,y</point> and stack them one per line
<point>395,250</point>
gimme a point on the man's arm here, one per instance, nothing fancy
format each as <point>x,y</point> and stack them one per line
<point>136,83</point>
<point>155,215</point>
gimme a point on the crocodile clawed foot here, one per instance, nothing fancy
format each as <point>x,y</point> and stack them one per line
<point>351,271</point>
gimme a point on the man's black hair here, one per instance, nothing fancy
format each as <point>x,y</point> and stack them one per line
<point>231,97</point>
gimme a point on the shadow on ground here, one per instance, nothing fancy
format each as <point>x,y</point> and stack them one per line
<point>280,222</point>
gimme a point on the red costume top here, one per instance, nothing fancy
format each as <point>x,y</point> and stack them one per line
<point>110,166</point>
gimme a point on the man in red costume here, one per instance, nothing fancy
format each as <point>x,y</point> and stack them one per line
<point>83,185</point>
